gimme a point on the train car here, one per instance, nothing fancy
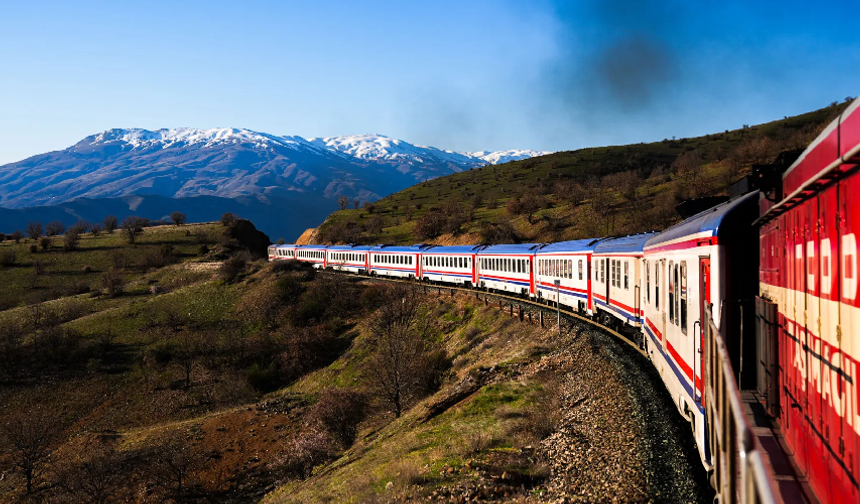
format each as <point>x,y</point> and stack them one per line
<point>616,272</point>
<point>568,262</point>
<point>394,261</point>
<point>455,265</point>
<point>810,218</point>
<point>350,258</point>
<point>704,260</point>
<point>507,268</point>
<point>312,254</point>
<point>282,252</point>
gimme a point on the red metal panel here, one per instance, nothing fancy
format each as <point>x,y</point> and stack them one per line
<point>849,131</point>
<point>816,158</point>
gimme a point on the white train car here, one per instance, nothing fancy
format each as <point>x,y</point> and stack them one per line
<point>312,254</point>
<point>507,268</point>
<point>394,261</point>
<point>353,259</point>
<point>569,263</point>
<point>617,269</point>
<point>454,264</point>
<point>282,252</point>
<point>704,260</point>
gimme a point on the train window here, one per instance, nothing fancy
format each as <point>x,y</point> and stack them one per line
<point>647,282</point>
<point>677,295</point>
<point>626,275</point>
<point>657,285</point>
<point>580,269</point>
<point>683,297</point>
<point>671,294</point>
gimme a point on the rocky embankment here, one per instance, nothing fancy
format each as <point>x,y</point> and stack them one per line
<point>616,436</point>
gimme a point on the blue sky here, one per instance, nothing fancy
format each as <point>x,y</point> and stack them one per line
<point>462,75</point>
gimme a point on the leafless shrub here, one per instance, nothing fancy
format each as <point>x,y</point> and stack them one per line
<point>339,411</point>
<point>26,438</point>
<point>72,239</point>
<point>110,224</point>
<point>304,451</point>
<point>113,283</point>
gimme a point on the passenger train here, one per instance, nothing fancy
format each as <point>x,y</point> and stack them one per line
<point>777,267</point>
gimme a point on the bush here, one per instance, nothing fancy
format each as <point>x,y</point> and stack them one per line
<point>16,236</point>
<point>304,451</point>
<point>2,237</point>
<point>8,258</point>
<point>178,218</point>
<point>87,269</point>
<point>110,223</point>
<point>339,411</point>
<point>45,243</point>
<point>71,239</point>
<point>232,268</point>
<point>203,249</point>
<point>263,379</point>
<point>96,229</point>
<point>33,248</point>
<point>112,283</point>
<point>227,219</point>
<point>55,228</point>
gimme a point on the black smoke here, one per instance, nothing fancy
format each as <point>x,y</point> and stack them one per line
<point>615,55</point>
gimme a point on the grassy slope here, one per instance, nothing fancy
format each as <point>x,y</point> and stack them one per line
<point>409,451</point>
<point>115,393</point>
<point>658,186</point>
<point>65,273</point>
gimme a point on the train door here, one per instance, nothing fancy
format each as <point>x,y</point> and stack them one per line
<point>699,339</point>
<point>847,441</point>
<point>608,281</point>
<point>819,458</point>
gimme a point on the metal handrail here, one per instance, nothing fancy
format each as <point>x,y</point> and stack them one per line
<point>739,470</point>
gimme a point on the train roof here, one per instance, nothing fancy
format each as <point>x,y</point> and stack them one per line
<point>356,248</point>
<point>522,248</point>
<point>623,244</point>
<point>585,245</point>
<point>315,247</point>
<point>453,249</point>
<point>704,222</point>
<point>398,248</point>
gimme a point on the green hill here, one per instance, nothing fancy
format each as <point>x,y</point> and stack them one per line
<point>576,194</point>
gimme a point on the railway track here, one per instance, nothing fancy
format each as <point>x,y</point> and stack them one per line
<point>512,301</point>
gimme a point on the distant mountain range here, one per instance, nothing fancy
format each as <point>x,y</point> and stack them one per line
<point>295,181</point>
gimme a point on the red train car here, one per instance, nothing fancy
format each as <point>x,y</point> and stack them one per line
<point>809,301</point>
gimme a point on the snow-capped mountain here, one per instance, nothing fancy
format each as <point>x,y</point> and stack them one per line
<point>232,163</point>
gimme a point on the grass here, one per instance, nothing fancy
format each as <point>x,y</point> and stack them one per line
<point>80,271</point>
<point>411,454</point>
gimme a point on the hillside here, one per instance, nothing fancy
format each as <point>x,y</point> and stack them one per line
<point>180,369</point>
<point>578,194</point>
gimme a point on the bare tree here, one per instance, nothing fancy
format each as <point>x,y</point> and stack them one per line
<point>16,236</point>
<point>55,228</point>
<point>227,219</point>
<point>34,230</point>
<point>355,203</point>
<point>131,227</point>
<point>94,473</point>
<point>176,462</point>
<point>343,202</point>
<point>402,356</point>
<point>178,218</point>
<point>72,239</point>
<point>110,223</point>
<point>26,439</point>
